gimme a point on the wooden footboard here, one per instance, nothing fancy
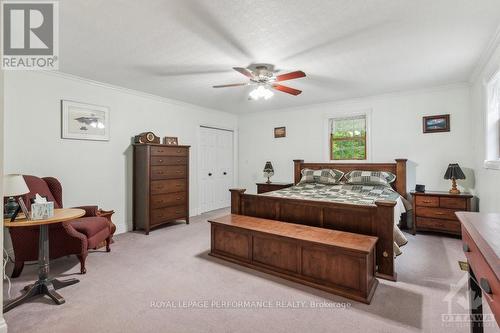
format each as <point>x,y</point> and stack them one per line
<point>375,220</point>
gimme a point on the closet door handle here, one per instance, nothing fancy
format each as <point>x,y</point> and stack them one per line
<point>209,173</point>
<point>225,173</point>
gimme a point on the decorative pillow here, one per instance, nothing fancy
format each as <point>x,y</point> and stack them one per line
<point>360,177</point>
<point>323,176</point>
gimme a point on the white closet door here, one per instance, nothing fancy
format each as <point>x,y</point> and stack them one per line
<point>224,162</point>
<point>208,140</point>
<point>216,168</point>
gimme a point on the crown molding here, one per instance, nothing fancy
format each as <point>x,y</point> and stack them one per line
<point>485,57</point>
<point>129,91</point>
<point>374,97</point>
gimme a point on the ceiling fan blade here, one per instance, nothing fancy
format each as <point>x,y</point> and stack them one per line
<point>244,71</point>
<point>290,76</point>
<point>230,85</point>
<point>286,89</point>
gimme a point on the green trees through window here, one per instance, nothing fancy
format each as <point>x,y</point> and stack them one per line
<point>348,138</point>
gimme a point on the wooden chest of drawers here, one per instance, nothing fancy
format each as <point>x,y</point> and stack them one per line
<point>161,185</point>
<point>435,211</point>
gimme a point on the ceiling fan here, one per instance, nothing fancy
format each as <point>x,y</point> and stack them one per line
<point>264,76</point>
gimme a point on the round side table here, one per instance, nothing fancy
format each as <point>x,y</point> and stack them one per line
<point>44,285</point>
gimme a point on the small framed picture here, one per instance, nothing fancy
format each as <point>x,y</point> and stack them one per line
<point>280,132</point>
<point>171,141</point>
<point>434,124</point>
<point>84,121</point>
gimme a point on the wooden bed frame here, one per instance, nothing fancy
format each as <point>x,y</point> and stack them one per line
<point>375,220</point>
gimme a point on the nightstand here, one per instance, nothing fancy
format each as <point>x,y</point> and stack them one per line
<point>268,187</point>
<point>435,211</point>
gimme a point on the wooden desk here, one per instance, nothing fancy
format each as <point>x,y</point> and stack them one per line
<point>481,244</point>
<point>44,285</point>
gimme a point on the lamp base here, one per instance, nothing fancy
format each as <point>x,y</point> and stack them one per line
<point>454,189</point>
<point>268,181</point>
<point>10,207</point>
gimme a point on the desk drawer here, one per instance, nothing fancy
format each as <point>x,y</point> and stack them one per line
<point>168,160</point>
<point>169,151</point>
<point>166,200</point>
<point>449,226</point>
<point>168,213</point>
<point>436,213</point>
<point>168,172</point>
<point>427,201</point>
<point>482,270</point>
<point>168,186</point>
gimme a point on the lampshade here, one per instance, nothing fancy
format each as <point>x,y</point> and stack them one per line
<point>14,185</point>
<point>268,167</point>
<point>454,172</point>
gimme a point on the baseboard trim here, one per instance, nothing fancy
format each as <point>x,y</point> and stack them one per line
<point>3,325</point>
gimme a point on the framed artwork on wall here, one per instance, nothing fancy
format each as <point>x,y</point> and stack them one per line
<point>83,121</point>
<point>280,132</point>
<point>434,124</point>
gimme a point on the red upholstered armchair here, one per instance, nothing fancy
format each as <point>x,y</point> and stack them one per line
<point>72,237</point>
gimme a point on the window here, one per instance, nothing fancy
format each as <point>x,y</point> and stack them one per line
<point>493,124</point>
<point>348,138</point>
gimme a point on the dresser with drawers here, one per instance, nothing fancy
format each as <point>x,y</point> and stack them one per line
<point>160,185</point>
<point>435,211</point>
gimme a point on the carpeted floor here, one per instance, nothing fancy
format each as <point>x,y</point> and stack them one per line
<point>166,282</point>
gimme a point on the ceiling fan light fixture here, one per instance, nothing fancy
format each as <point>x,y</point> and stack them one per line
<point>261,92</point>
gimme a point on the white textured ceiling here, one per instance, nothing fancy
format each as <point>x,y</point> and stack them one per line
<point>348,48</point>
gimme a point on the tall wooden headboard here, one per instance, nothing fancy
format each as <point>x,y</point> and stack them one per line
<point>398,168</point>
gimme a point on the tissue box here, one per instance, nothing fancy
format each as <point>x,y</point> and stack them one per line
<point>42,211</point>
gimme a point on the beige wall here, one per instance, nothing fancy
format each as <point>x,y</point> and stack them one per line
<point>488,180</point>
<point>3,325</point>
<point>94,172</point>
<point>395,132</point>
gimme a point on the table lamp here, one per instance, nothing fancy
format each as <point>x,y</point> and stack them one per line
<point>454,172</point>
<point>14,185</point>
<point>268,171</point>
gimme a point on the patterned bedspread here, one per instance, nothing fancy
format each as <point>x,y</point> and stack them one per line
<point>349,194</point>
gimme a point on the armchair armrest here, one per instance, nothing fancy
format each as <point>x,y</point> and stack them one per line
<point>72,232</point>
<point>90,211</point>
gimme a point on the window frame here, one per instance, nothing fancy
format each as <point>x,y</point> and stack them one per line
<point>492,133</point>
<point>328,155</point>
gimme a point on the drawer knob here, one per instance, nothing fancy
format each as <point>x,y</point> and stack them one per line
<point>485,285</point>
<point>178,185</point>
<point>427,201</point>
<point>178,198</point>
<point>160,161</point>
<point>160,172</point>
<point>385,254</point>
<point>466,247</point>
